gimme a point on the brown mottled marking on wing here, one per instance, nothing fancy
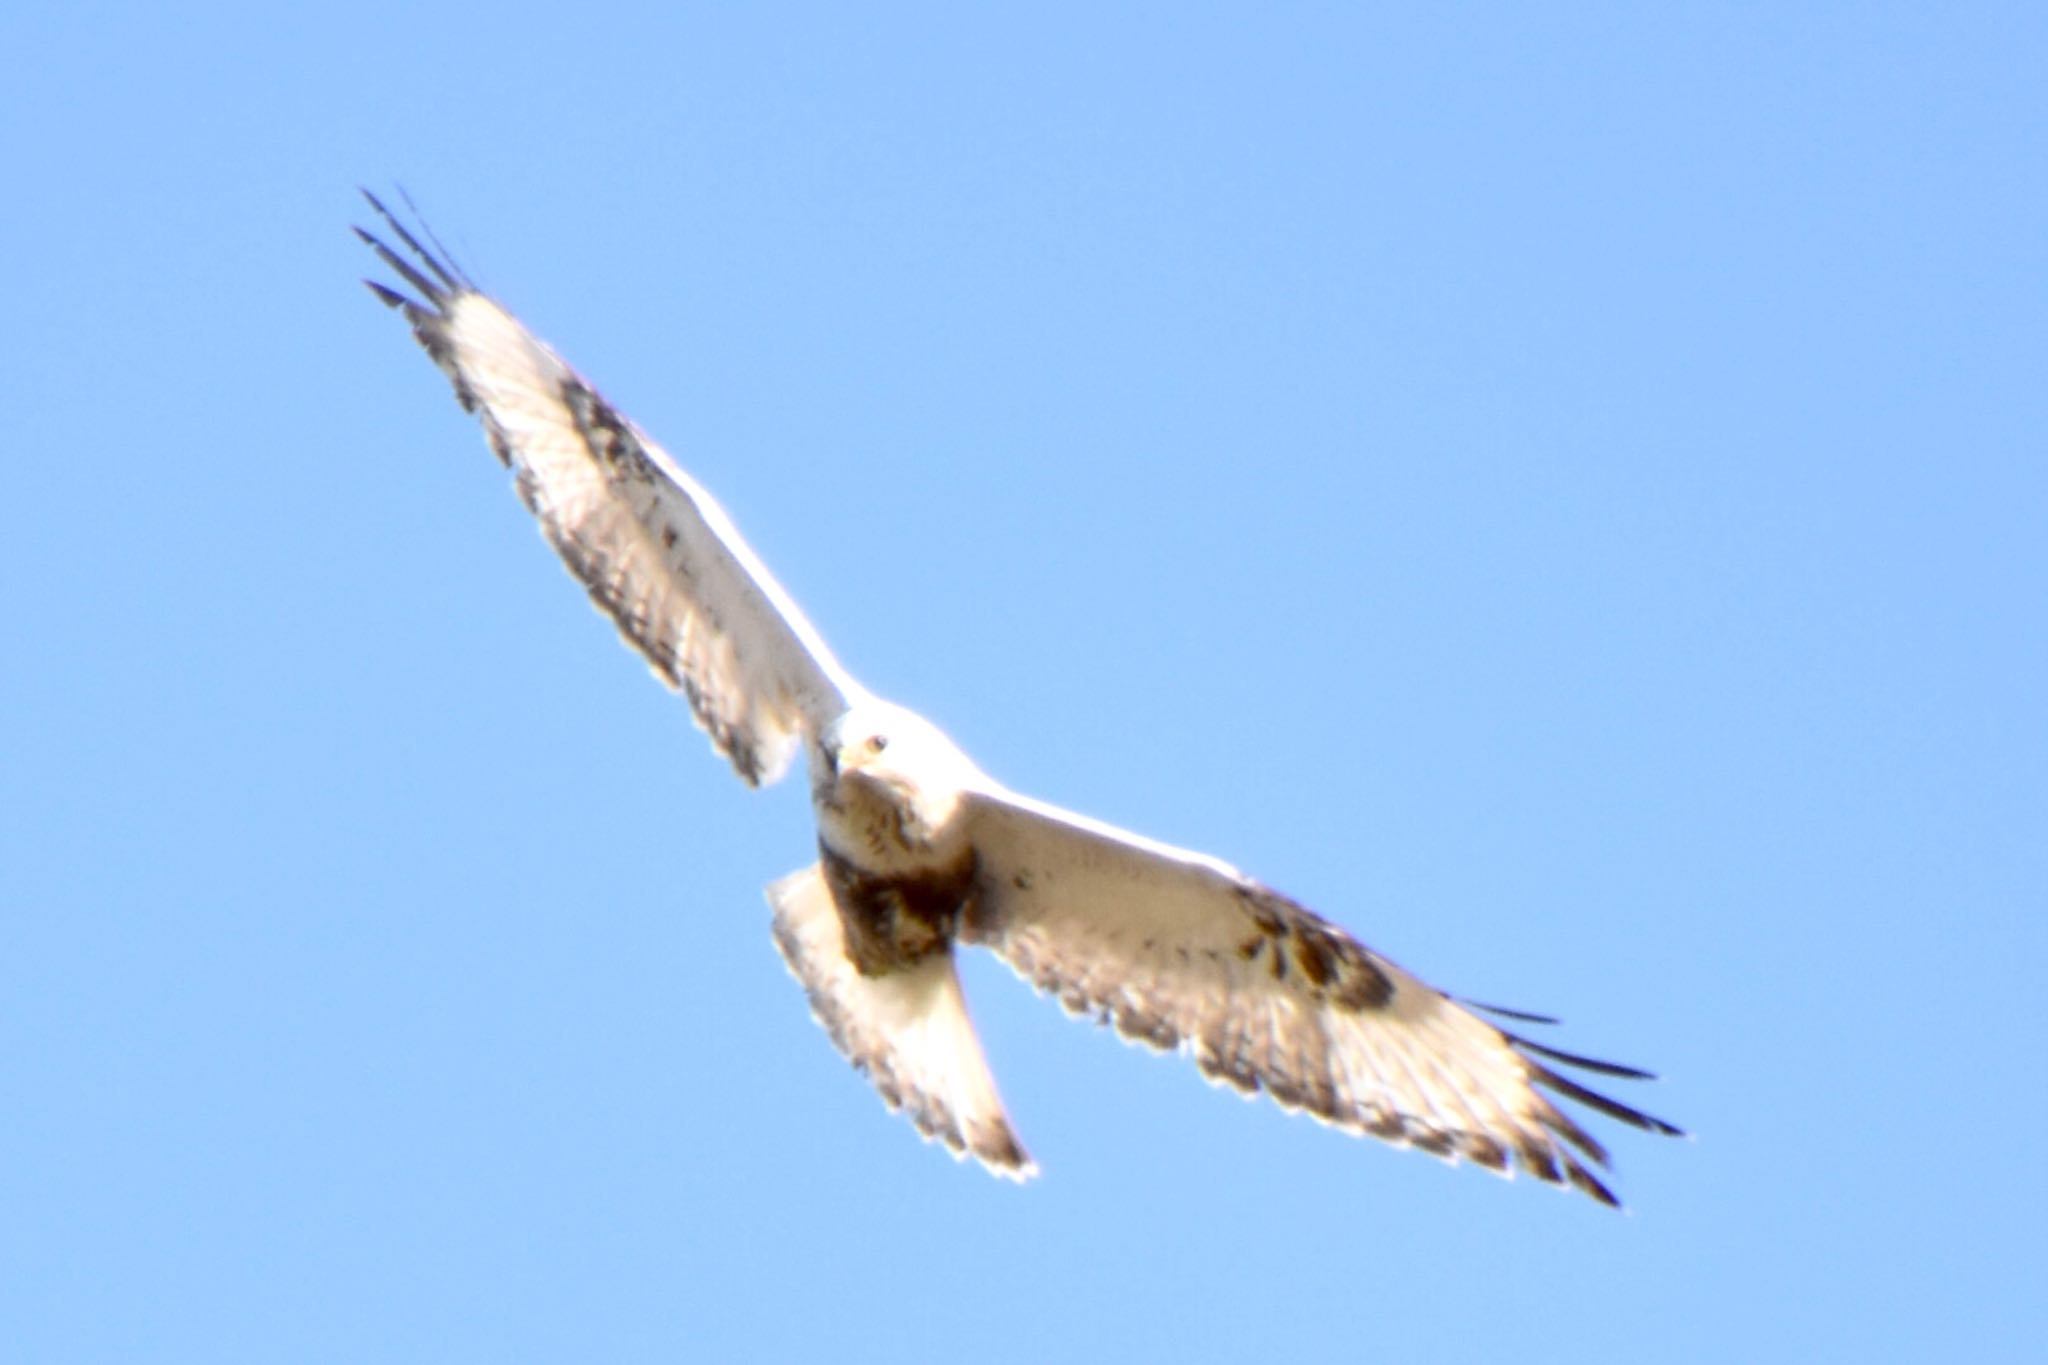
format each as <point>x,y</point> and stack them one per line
<point>653,549</point>
<point>1175,950</point>
<point>1336,968</point>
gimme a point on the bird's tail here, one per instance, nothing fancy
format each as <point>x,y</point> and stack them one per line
<point>906,1030</point>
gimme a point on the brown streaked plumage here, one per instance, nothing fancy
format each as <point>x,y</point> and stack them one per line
<point>920,851</point>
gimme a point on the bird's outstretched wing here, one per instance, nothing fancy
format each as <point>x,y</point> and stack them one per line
<point>1181,951</point>
<point>907,1030</point>
<point>657,554</point>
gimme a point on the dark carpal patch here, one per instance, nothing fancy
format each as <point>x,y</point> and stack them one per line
<point>895,921</point>
<point>1288,938</point>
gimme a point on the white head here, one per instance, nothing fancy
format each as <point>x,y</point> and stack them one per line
<point>878,763</point>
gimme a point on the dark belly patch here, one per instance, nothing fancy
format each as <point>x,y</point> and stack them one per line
<point>897,920</point>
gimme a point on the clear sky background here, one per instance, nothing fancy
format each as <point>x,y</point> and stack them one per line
<point>1562,493</point>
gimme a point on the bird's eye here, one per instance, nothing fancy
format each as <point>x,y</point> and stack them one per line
<point>877,743</point>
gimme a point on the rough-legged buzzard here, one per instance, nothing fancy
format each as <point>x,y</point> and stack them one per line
<point>920,851</point>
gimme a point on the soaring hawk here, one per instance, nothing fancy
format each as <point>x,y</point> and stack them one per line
<point>920,852</point>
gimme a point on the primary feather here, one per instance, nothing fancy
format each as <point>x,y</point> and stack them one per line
<point>655,551</point>
<point>920,851</point>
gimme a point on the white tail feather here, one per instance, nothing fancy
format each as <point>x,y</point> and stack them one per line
<point>907,1031</point>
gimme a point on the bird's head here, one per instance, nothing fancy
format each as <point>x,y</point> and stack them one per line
<point>883,742</point>
<point>878,752</point>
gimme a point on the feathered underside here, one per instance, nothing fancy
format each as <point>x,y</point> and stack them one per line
<point>656,553</point>
<point>1171,948</point>
<point>1178,951</point>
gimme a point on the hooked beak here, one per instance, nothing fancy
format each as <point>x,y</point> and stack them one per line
<point>840,758</point>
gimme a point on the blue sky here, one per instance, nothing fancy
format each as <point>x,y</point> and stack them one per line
<point>1561,493</point>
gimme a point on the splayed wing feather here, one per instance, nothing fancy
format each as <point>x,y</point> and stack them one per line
<point>1177,950</point>
<point>655,551</point>
<point>1503,1012</point>
<point>1584,1063</point>
<point>907,1031</point>
<point>1174,949</point>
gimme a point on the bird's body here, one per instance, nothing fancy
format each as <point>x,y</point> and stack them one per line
<point>920,852</point>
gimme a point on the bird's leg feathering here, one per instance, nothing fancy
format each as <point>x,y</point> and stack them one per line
<point>897,920</point>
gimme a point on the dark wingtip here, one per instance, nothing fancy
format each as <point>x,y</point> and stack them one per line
<point>1584,1063</point>
<point>391,298</point>
<point>1570,1089</point>
<point>1503,1012</point>
<point>1588,1183</point>
<point>448,278</point>
<point>1594,1100</point>
<point>1565,1168</point>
